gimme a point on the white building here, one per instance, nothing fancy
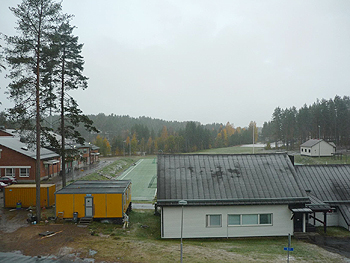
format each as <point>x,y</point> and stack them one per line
<point>315,148</point>
<point>229,196</point>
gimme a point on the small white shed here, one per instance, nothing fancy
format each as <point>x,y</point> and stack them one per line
<point>315,148</point>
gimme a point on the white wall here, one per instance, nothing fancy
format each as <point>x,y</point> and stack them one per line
<point>195,221</point>
<point>325,148</point>
<point>342,222</point>
<point>305,151</point>
<point>332,219</point>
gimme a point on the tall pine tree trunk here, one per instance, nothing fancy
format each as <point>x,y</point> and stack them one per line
<point>37,95</point>
<point>63,134</point>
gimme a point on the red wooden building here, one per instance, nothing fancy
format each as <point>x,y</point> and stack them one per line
<point>19,161</point>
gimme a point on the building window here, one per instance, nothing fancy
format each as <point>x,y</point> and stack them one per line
<point>24,172</point>
<point>213,220</point>
<point>10,172</point>
<point>265,219</point>
<point>234,220</point>
<point>309,150</point>
<point>249,219</point>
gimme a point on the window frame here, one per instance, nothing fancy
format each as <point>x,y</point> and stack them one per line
<point>253,224</point>
<point>208,222</point>
<point>13,173</point>
<point>27,172</point>
<point>240,219</point>
<point>270,219</point>
<point>259,220</point>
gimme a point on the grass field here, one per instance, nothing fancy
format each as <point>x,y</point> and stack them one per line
<point>143,176</point>
<point>142,243</point>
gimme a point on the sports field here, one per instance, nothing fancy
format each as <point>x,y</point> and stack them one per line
<point>143,176</point>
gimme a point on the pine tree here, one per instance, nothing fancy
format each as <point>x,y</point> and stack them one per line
<point>1,60</point>
<point>36,20</point>
<point>64,71</point>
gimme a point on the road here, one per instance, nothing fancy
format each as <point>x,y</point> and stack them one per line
<point>84,171</point>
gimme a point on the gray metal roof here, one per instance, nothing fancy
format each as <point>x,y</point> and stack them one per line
<point>313,142</point>
<point>317,204</point>
<point>95,187</point>
<point>227,179</point>
<point>15,144</point>
<point>328,183</point>
<point>310,143</point>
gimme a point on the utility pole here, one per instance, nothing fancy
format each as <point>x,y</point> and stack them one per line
<point>253,138</point>
<point>319,141</point>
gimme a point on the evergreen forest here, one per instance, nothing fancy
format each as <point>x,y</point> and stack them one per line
<point>324,119</point>
<point>123,135</point>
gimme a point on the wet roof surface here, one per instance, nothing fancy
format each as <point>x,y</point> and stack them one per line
<point>228,179</point>
<point>95,187</point>
<point>326,182</point>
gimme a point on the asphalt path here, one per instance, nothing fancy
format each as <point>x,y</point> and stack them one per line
<point>84,171</point>
<point>340,245</point>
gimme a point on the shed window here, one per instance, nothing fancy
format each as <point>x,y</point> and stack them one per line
<point>213,220</point>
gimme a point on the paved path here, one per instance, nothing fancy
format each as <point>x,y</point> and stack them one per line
<point>142,206</point>
<point>84,171</point>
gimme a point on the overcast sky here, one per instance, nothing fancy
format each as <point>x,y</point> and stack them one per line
<point>207,61</point>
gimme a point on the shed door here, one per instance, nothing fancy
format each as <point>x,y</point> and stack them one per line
<point>89,205</point>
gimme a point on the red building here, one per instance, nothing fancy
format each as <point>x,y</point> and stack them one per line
<point>19,161</point>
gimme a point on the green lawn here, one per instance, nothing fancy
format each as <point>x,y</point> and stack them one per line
<point>141,242</point>
<point>306,160</point>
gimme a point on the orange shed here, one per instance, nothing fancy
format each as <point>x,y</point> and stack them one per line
<point>26,194</point>
<point>94,199</point>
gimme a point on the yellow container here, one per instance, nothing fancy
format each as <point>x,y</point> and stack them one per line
<point>26,195</point>
<point>95,199</point>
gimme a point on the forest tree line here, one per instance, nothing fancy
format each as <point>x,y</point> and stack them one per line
<point>124,135</point>
<point>324,119</point>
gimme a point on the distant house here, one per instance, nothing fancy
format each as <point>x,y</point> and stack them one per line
<point>316,147</point>
<point>229,196</point>
<point>95,155</point>
<point>77,155</point>
<point>328,187</point>
<point>19,161</point>
<point>88,152</point>
<point>6,132</point>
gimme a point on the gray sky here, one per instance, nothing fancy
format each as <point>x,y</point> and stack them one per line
<point>207,61</point>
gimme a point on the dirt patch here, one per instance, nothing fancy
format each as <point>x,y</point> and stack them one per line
<point>29,242</point>
<point>11,220</point>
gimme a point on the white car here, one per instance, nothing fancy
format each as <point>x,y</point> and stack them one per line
<point>2,185</point>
